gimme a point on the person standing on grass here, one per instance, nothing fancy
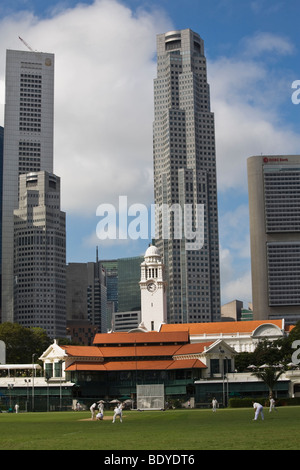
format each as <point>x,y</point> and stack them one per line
<point>118,412</point>
<point>272,404</point>
<point>93,410</point>
<point>214,404</point>
<point>101,407</point>
<point>258,410</point>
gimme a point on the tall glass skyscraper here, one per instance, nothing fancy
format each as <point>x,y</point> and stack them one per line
<point>28,144</point>
<point>185,179</point>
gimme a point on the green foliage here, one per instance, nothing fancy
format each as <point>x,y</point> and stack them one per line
<point>241,402</point>
<point>269,375</point>
<point>21,343</point>
<point>279,351</point>
<point>247,402</point>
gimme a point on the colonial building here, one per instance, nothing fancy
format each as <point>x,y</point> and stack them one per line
<point>118,362</point>
<point>241,336</point>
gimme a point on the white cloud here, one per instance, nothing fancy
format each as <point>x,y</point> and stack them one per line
<point>247,96</point>
<point>262,42</point>
<point>105,66</point>
<point>234,285</point>
<point>238,288</point>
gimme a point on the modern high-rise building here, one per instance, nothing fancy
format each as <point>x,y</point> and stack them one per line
<point>274,210</point>
<point>87,294</point>
<point>28,144</point>
<point>123,276</point>
<point>185,180</point>
<point>129,294</point>
<point>40,255</point>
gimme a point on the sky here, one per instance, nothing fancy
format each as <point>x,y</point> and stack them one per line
<point>105,64</point>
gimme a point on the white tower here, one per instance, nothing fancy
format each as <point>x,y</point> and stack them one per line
<point>153,290</point>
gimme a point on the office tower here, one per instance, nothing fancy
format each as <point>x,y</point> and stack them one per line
<point>40,255</point>
<point>129,273</point>
<point>111,269</point>
<point>123,276</point>
<point>185,177</point>
<point>28,143</point>
<point>87,294</point>
<point>274,210</point>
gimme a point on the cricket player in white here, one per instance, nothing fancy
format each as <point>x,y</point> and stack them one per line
<point>118,412</point>
<point>214,404</point>
<point>272,404</point>
<point>93,410</point>
<point>258,410</point>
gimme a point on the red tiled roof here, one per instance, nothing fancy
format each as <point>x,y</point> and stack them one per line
<point>187,364</point>
<point>85,366</point>
<point>139,351</point>
<point>218,327</point>
<point>193,348</point>
<point>136,365</point>
<point>180,336</point>
<point>88,351</point>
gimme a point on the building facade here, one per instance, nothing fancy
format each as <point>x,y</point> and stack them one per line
<point>40,255</point>
<point>274,209</point>
<point>87,294</point>
<point>129,296</point>
<point>28,144</point>
<point>126,321</point>
<point>192,361</point>
<point>242,336</point>
<point>185,181</point>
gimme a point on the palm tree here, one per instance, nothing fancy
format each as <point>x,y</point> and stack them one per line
<point>269,375</point>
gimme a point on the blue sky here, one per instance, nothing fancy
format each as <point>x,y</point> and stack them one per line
<point>105,66</point>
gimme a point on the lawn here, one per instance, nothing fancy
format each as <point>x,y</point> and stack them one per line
<point>174,430</point>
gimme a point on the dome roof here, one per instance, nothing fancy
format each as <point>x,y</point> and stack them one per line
<point>152,251</point>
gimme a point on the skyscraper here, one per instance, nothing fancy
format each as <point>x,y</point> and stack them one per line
<point>28,143</point>
<point>185,178</point>
<point>87,294</point>
<point>40,255</point>
<point>274,210</point>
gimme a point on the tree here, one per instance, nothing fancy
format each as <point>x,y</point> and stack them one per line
<point>21,343</point>
<point>269,375</point>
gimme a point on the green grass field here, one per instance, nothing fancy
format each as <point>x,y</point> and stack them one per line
<point>227,429</point>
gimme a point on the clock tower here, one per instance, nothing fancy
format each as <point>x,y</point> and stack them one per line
<point>153,290</point>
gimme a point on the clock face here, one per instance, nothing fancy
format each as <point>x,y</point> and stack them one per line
<point>151,287</point>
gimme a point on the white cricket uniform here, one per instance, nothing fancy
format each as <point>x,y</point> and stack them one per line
<point>93,410</point>
<point>118,412</point>
<point>258,410</point>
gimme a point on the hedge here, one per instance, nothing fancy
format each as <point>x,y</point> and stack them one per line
<point>247,402</point>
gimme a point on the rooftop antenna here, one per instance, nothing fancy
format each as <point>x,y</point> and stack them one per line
<point>27,45</point>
